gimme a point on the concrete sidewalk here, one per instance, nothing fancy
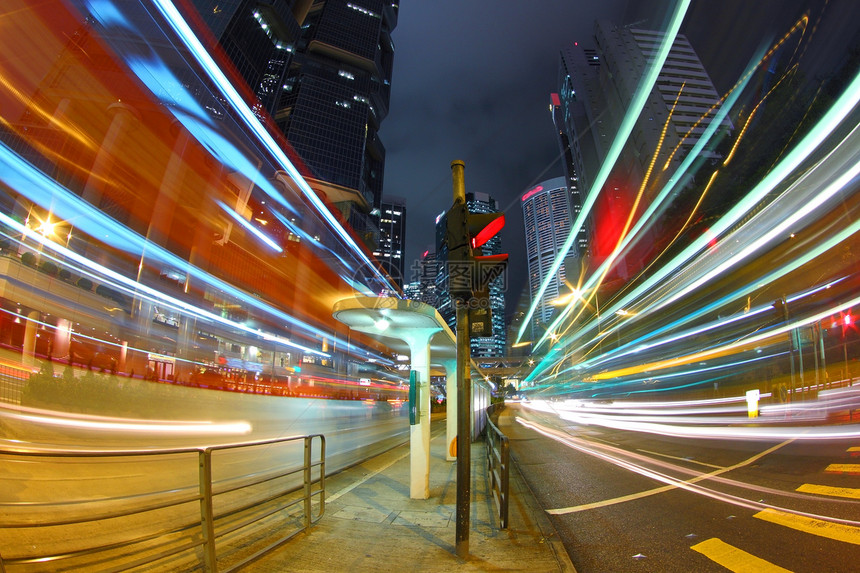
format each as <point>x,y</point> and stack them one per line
<point>370,524</point>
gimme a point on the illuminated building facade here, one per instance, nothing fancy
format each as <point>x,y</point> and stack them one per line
<point>428,270</point>
<point>391,222</point>
<point>412,291</point>
<point>596,86</point>
<point>547,214</point>
<point>423,285</point>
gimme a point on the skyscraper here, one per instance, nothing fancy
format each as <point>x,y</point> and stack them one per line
<point>334,97</point>
<point>559,118</point>
<point>322,69</point>
<point>547,216</point>
<point>428,271</point>
<point>391,248</point>
<point>596,86</point>
<point>258,37</point>
<point>422,279</point>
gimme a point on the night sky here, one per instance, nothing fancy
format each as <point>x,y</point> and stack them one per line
<point>472,81</point>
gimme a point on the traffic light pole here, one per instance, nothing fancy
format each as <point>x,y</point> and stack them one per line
<point>464,431</point>
<point>464,399</point>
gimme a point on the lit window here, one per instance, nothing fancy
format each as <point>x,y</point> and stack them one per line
<point>363,10</point>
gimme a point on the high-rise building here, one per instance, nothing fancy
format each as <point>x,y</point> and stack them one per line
<point>391,248</point>
<point>334,97</point>
<point>547,213</point>
<point>322,69</point>
<point>412,291</point>
<point>258,37</point>
<point>422,279</point>
<point>596,86</point>
<point>443,302</point>
<point>428,271</point>
<point>486,346</point>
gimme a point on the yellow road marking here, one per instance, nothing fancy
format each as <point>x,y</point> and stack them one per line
<point>735,559</point>
<point>829,529</point>
<point>850,492</point>
<point>843,468</point>
<point>854,449</point>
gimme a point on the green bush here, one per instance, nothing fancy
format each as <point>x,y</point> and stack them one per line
<point>29,259</point>
<point>49,268</point>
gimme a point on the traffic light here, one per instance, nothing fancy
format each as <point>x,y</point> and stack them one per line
<point>459,252</point>
<point>469,272</point>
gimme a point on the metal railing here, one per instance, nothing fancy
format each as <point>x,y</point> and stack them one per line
<point>498,460</point>
<point>12,381</point>
<point>274,494</point>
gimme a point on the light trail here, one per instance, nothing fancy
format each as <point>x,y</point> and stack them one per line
<point>659,201</point>
<point>701,429</point>
<point>643,91</point>
<point>135,288</point>
<point>840,160</point>
<point>804,209</point>
<point>175,20</point>
<point>634,463</point>
<point>640,345</point>
<point>817,136</point>
<point>728,349</point>
<point>125,425</point>
<point>249,227</point>
<point>824,129</point>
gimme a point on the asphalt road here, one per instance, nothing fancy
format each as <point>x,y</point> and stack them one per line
<point>631,501</point>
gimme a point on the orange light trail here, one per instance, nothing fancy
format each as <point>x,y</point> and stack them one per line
<point>802,22</point>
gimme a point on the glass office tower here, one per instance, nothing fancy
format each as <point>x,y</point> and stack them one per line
<point>322,69</point>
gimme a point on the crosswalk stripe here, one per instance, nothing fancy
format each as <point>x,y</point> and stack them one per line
<point>829,529</point>
<point>843,468</point>
<point>849,492</point>
<point>735,559</point>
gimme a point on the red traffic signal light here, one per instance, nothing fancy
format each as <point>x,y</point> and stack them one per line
<point>484,226</point>
<point>470,273</point>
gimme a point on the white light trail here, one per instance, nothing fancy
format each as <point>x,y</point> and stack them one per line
<point>634,463</point>
<point>103,423</point>
<point>701,430</point>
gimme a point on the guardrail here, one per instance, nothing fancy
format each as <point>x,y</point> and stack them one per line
<point>12,381</point>
<point>498,460</point>
<point>275,495</point>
